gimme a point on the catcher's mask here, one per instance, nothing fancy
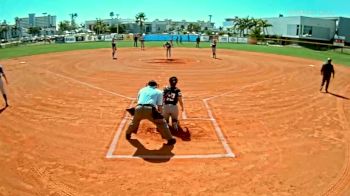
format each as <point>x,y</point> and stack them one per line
<point>173,81</point>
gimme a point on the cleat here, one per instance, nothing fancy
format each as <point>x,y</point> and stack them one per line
<point>171,141</point>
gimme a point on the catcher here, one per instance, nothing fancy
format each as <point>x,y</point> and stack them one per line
<point>171,96</point>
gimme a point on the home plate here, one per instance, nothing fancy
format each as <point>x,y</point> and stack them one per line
<point>312,65</point>
<point>22,62</point>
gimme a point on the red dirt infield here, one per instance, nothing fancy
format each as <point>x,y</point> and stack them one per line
<point>67,108</point>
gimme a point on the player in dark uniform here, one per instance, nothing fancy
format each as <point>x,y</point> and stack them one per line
<point>327,71</point>
<point>2,89</point>
<point>213,48</point>
<point>167,45</point>
<point>114,47</point>
<point>198,39</point>
<point>171,96</point>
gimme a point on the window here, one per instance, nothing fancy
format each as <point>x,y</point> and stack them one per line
<point>307,31</point>
<point>297,30</point>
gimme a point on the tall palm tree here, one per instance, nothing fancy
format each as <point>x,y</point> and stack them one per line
<point>111,14</point>
<point>100,27</point>
<point>264,25</point>
<point>73,16</point>
<point>140,19</point>
<point>240,25</point>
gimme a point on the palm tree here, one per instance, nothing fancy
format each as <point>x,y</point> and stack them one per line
<point>111,14</point>
<point>240,25</point>
<point>264,25</point>
<point>100,27</point>
<point>140,19</point>
<point>73,16</point>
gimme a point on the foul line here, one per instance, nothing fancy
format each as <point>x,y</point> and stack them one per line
<point>90,85</point>
<point>218,130</point>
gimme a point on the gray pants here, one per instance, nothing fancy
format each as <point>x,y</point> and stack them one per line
<point>170,110</point>
<point>2,89</point>
<point>145,112</point>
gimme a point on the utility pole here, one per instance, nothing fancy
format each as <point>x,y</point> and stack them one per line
<point>210,18</point>
<point>117,24</point>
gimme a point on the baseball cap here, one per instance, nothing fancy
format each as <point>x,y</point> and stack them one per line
<point>152,83</point>
<point>329,59</point>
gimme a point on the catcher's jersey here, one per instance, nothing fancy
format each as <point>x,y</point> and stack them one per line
<point>171,95</point>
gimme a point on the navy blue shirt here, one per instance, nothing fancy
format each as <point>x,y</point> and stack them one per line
<point>171,95</point>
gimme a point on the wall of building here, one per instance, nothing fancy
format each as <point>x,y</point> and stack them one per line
<point>344,28</point>
<point>302,27</point>
<point>284,26</point>
<point>317,28</point>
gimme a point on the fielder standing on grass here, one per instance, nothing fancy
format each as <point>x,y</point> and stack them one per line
<point>2,89</point>
<point>142,40</point>
<point>149,106</point>
<point>171,96</point>
<point>326,71</point>
<point>167,45</point>
<point>198,39</point>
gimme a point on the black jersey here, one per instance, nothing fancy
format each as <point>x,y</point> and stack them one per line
<point>167,45</point>
<point>171,95</point>
<point>327,69</point>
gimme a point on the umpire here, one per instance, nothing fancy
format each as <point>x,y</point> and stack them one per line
<point>149,106</point>
<point>326,72</point>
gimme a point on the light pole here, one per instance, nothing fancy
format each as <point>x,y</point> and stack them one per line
<point>117,24</point>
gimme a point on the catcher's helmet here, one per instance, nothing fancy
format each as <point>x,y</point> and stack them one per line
<point>173,80</point>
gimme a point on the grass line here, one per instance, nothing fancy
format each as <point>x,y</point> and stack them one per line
<point>27,50</point>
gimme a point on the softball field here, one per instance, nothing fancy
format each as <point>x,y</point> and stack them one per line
<point>254,124</point>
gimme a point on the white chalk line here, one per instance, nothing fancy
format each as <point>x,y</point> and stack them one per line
<point>184,116</point>
<point>186,119</point>
<point>125,118</point>
<point>239,89</point>
<point>218,130</point>
<point>189,156</point>
<point>90,85</point>
<point>118,133</point>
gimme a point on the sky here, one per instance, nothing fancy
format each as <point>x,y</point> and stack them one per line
<point>190,10</point>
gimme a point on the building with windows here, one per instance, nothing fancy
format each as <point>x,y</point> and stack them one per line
<point>40,21</point>
<point>46,23</point>
<point>312,28</point>
<point>156,26</point>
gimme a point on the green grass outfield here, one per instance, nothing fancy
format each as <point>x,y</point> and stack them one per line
<point>26,50</point>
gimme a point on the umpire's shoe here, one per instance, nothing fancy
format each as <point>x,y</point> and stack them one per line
<point>172,141</point>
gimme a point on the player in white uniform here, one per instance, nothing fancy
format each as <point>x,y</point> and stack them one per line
<point>2,89</point>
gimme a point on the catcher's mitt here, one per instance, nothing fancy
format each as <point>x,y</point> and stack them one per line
<point>131,111</point>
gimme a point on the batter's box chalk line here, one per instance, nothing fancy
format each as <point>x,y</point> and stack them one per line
<point>122,124</point>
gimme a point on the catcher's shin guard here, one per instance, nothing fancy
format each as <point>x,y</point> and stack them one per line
<point>175,124</point>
